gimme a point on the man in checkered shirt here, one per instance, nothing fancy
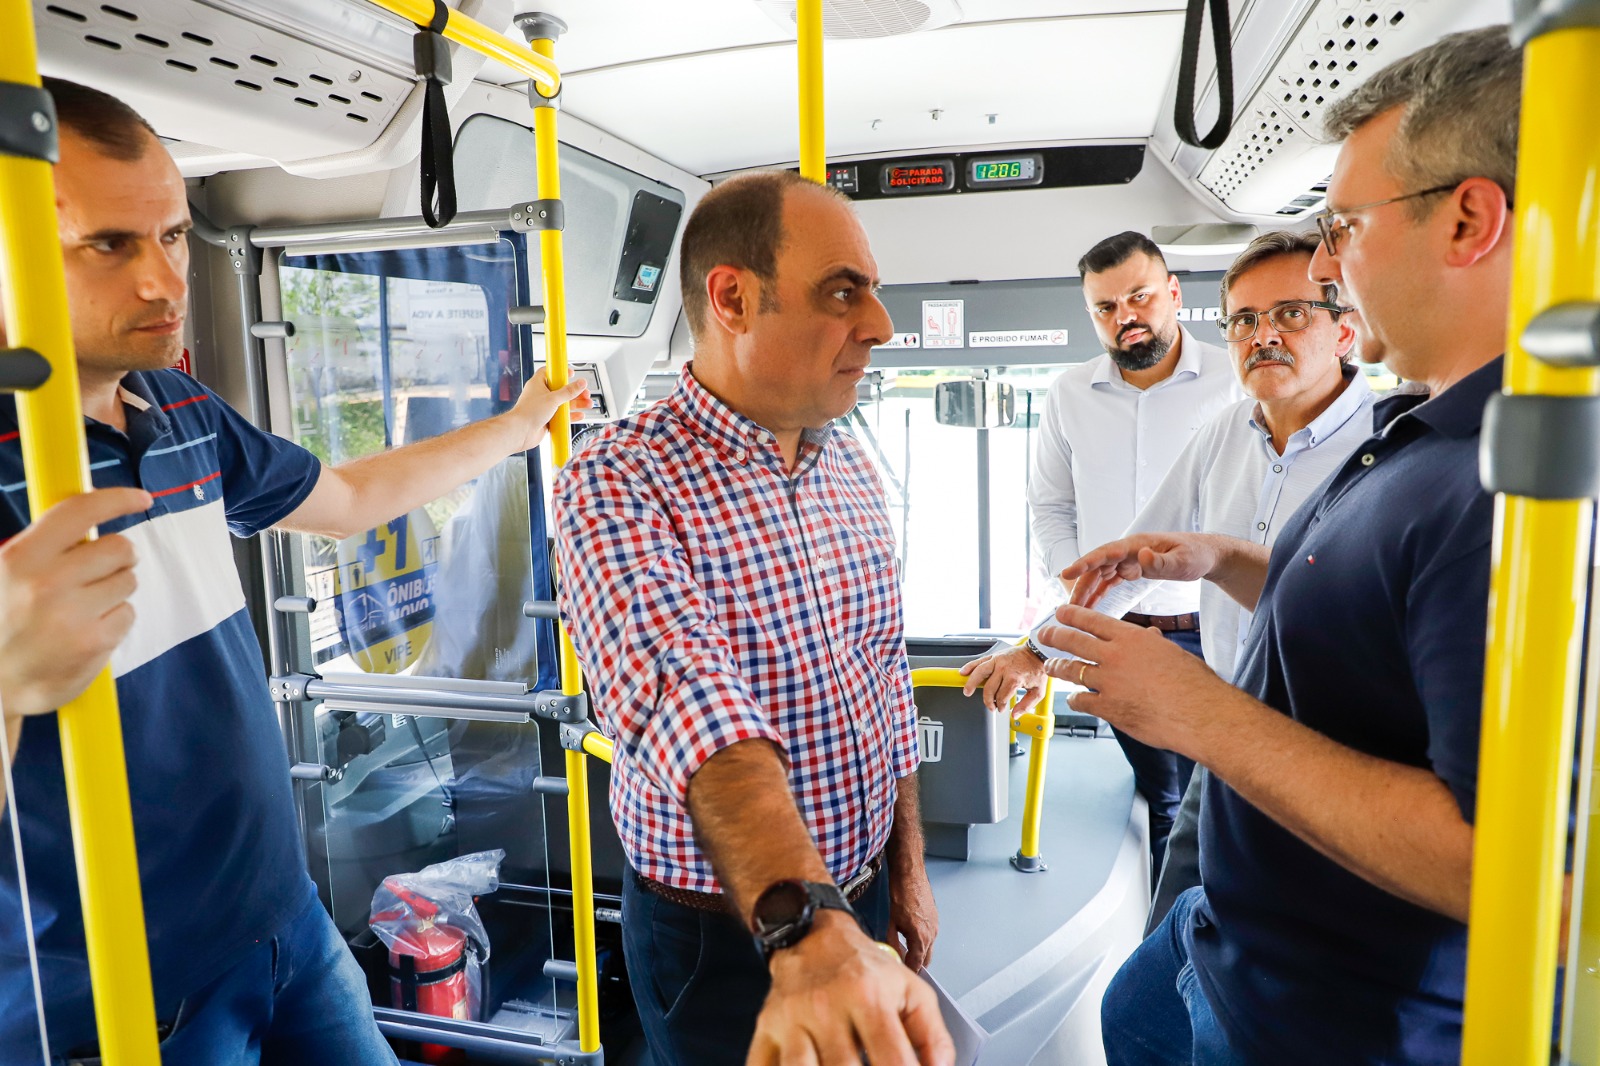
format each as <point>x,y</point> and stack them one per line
<point>728,567</point>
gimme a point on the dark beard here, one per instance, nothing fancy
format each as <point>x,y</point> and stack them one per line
<point>1141,356</point>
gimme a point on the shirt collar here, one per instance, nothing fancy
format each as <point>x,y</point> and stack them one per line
<point>1352,398</point>
<point>1458,410</point>
<point>132,392</point>
<point>735,437</point>
<point>1189,363</point>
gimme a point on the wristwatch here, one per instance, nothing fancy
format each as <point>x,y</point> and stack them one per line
<point>1034,649</point>
<point>784,913</point>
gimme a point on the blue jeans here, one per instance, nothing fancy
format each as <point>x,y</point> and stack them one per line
<point>698,980</point>
<point>1154,1012</point>
<point>298,999</point>
<point>1160,776</point>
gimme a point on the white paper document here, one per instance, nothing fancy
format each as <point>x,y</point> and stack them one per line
<point>968,1035</point>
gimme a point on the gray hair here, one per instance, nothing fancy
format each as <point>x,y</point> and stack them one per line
<point>1462,97</point>
<point>1272,245</point>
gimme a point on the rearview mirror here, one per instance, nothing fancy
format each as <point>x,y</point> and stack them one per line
<point>975,403</point>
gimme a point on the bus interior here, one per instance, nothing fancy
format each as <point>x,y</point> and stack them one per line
<point>987,144</point>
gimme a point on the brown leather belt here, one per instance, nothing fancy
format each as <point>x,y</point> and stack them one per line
<point>853,888</point>
<point>1167,623</point>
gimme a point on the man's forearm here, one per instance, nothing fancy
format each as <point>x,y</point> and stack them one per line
<point>746,822</point>
<point>364,493</point>
<point>1241,568</point>
<point>905,839</point>
<point>1395,826</point>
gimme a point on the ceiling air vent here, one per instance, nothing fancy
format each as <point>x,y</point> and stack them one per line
<point>210,77</point>
<point>1277,137</point>
<point>858,19</point>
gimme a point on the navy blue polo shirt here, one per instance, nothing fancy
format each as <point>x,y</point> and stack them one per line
<point>219,853</point>
<point>1371,631</point>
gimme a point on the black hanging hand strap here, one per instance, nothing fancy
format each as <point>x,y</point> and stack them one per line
<point>1183,115</point>
<point>431,54</point>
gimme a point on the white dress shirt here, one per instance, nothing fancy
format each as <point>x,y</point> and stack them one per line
<point>1104,445</point>
<point>1231,480</point>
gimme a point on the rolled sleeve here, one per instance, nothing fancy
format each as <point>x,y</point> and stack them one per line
<point>905,755</point>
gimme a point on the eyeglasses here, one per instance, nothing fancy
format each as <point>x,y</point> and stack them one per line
<point>1333,228</point>
<point>1291,316</point>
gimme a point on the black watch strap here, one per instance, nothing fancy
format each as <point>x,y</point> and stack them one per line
<point>1034,649</point>
<point>787,910</point>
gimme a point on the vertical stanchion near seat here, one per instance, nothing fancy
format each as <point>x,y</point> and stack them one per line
<point>813,156</point>
<point>542,31</point>
<point>55,460</point>
<point>1540,568</point>
<point>1039,724</point>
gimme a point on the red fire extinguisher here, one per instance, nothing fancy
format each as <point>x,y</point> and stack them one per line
<point>428,970</point>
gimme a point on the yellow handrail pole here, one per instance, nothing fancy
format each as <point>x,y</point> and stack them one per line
<point>1038,724</point>
<point>1580,1039</point>
<point>467,31</point>
<point>1539,579</point>
<point>56,464</point>
<point>553,271</point>
<point>813,156</point>
<point>600,746</point>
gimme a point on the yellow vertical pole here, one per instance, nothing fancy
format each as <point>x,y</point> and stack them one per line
<point>556,366</point>
<point>1539,577</point>
<point>56,464</point>
<point>1039,724</point>
<point>813,157</point>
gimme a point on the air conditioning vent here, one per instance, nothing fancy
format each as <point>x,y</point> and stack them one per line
<point>1277,137</point>
<point>329,102</point>
<point>859,19</point>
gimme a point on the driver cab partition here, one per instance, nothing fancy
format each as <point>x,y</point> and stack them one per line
<point>390,348</point>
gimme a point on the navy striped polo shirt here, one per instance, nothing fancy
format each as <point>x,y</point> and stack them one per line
<point>219,854</point>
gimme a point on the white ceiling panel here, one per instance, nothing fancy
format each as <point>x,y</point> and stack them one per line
<point>603,33</point>
<point>1042,79</point>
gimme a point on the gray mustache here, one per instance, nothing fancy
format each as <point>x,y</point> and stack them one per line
<point>1263,355</point>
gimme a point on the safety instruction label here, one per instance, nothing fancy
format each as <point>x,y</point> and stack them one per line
<point>376,603</point>
<point>1016,338</point>
<point>903,340</point>
<point>943,323</point>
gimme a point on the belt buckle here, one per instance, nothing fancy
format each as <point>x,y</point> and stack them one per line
<point>859,878</point>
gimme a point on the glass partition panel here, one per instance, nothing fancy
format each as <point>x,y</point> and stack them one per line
<point>389,349</point>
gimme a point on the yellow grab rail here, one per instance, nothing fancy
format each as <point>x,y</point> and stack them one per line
<point>536,59</point>
<point>557,369</point>
<point>813,156</point>
<point>56,464</point>
<point>1540,571</point>
<point>1039,724</point>
<point>600,746</point>
<point>467,31</point>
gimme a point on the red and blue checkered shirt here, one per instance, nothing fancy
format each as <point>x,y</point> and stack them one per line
<point>716,596</point>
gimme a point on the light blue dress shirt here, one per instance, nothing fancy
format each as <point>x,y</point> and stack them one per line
<point>1231,480</point>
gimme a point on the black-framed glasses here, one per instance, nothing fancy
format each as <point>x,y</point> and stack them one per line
<point>1291,316</point>
<point>1333,228</point>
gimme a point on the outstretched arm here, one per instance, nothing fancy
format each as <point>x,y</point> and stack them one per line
<point>367,492</point>
<point>1397,826</point>
<point>1236,566</point>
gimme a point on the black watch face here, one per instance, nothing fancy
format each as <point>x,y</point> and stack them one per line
<point>781,907</point>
